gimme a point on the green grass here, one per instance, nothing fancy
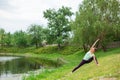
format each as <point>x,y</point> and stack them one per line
<point>17,50</point>
<point>109,67</point>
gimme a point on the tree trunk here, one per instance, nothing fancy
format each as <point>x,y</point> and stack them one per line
<point>104,48</point>
<point>85,48</point>
<point>36,45</point>
<point>59,46</point>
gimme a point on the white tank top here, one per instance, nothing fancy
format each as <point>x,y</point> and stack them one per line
<point>88,55</point>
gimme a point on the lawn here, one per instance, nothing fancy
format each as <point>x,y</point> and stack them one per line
<point>109,68</point>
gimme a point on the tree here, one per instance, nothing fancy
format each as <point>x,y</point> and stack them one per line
<point>20,39</point>
<point>97,19</point>
<point>8,39</point>
<point>36,33</point>
<point>2,36</point>
<point>46,35</point>
<point>58,23</point>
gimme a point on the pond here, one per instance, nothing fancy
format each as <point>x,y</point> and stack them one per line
<point>11,67</point>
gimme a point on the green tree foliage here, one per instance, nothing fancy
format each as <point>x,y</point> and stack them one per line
<point>58,23</point>
<point>36,33</point>
<point>97,19</point>
<point>8,39</point>
<point>46,35</point>
<point>20,39</point>
<point>35,36</point>
<point>2,36</point>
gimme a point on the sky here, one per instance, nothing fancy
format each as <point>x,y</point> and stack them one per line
<point>18,15</point>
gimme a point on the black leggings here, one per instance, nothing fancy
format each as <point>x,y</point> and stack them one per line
<point>82,63</point>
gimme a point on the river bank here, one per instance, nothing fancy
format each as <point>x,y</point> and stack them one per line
<point>6,58</point>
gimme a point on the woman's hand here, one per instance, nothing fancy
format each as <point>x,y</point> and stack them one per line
<point>98,39</point>
<point>98,64</point>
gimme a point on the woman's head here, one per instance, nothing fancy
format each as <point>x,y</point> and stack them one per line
<point>93,49</point>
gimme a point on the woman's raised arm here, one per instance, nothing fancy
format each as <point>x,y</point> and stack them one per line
<point>95,43</point>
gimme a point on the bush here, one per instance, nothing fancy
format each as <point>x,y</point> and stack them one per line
<point>69,50</point>
<point>48,50</point>
<point>43,50</point>
<point>54,49</point>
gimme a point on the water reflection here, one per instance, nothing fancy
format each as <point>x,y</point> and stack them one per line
<point>2,58</point>
<point>15,65</point>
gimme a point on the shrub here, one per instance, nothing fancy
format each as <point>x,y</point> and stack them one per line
<point>54,49</point>
<point>69,50</point>
<point>48,50</point>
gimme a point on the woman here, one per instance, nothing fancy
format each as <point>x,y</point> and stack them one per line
<point>89,56</point>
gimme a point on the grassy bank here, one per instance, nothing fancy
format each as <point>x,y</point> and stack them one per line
<point>109,67</point>
<point>17,50</point>
<point>46,50</point>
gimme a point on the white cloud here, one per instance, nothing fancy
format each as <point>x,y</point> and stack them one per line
<point>22,13</point>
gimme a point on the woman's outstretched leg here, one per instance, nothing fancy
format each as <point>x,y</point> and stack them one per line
<point>81,63</point>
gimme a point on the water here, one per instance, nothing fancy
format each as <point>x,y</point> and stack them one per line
<point>11,68</point>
